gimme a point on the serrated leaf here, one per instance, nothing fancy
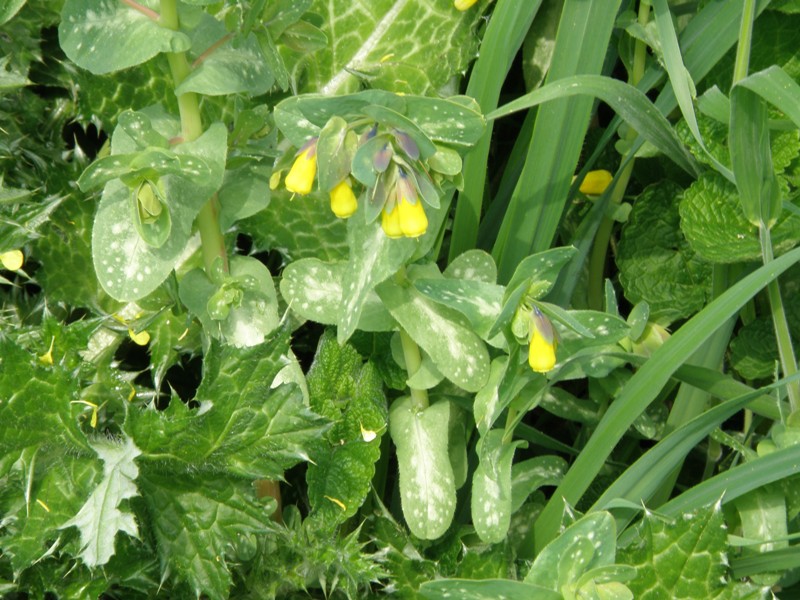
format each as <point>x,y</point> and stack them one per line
<point>35,401</point>
<point>656,263</point>
<point>684,558</point>
<point>366,37</point>
<point>105,35</point>
<point>100,518</point>
<point>588,543</point>
<point>60,486</point>
<point>427,485</point>
<point>491,487</point>
<point>458,353</point>
<point>243,424</point>
<point>231,69</point>
<point>713,223</point>
<point>198,523</point>
<point>313,290</point>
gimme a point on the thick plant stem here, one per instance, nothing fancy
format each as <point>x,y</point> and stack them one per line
<point>785,348</point>
<point>597,259</point>
<point>211,239</point>
<point>413,360</point>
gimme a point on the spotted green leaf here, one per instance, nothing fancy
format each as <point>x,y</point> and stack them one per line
<point>488,589</point>
<point>491,487</point>
<point>106,35</point>
<point>427,484</point>
<point>458,353</point>
<point>475,265</point>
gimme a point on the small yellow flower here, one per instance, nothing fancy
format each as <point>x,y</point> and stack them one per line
<point>596,182</point>
<point>390,222</point>
<point>411,215</point>
<point>12,260</point>
<point>300,179</point>
<point>542,349</point>
<point>343,200</point>
<point>140,339</point>
<point>464,4</point>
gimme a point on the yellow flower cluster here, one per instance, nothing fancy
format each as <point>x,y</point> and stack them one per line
<point>543,343</point>
<point>403,215</point>
<point>300,180</point>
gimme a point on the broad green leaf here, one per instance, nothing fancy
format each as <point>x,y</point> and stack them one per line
<point>680,558</point>
<point>427,486</point>
<point>105,35</point>
<point>59,488</point>
<point>473,265</point>
<point>234,68</point>
<point>313,289</point>
<point>351,395</point>
<point>656,263</point>
<point>762,514</point>
<point>298,228</point>
<point>489,589</point>
<point>128,268</point>
<point>588,543</point>
<point>244,193</point>
<point>35,400</point>
<point>8,8</point>
<point>248,320</point>
<point>458,353</point>
<point>713,222</point>
<point>391,42</point>
<point>491,487</point>
<point>486,407</point>
<point>336,147</point>
<point>101,517</point>
<point>479,302</point>
<point>242,424</point>
<point>535,276</point>
<point>529,475</point>
<point>579,354</point>
<point>199,523</point>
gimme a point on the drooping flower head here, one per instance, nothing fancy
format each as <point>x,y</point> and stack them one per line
<point>464,4</point>
<point>403,215</point>
<point>300,179</point>
<point>543,342</point>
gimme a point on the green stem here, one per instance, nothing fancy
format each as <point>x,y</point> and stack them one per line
<point>211,238</point>
<point>745,41</point>
<point>413,360</point>
<point>785,348</point>
<point>597,259</point>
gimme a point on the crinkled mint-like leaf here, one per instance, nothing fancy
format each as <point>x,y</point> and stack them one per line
<point>713,223</point>
<point>491,487</point>
<point>106,35</point>
<point>200,523</point>
<point>243,424</point>
<point>680,558</point>
<point>656,263</point>
<point>298,228</point>
<point>351,395</point>
<point>427,485</point>
<point>101,517</point>
<point>458,353</point>
<point>393,42</point>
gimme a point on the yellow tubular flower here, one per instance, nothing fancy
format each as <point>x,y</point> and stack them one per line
<point>12,260</point>
<point>300,179</point>
<point>343,200</point>
<point>596,182</point>
<point>413,221</point>
<point>390,222</point>
<point>542,349</point>
<point>464,4</point>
